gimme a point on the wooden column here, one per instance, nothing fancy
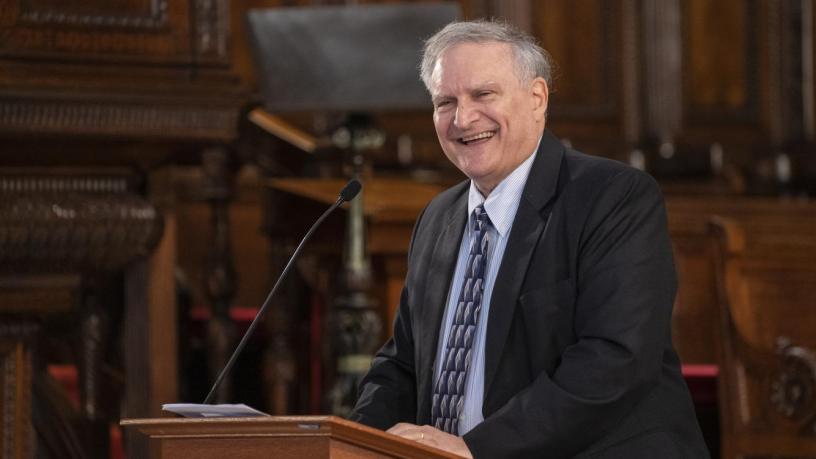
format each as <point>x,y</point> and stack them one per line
<point>16,437</point>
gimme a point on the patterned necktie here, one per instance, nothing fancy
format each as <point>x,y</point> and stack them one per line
<point>449,390</point>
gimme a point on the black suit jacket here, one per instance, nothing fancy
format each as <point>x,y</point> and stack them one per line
<point>579,360</point>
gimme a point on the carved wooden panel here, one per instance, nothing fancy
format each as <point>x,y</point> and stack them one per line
<point>124,119</point>
<point>769,224</point>
<point>765,297</point>
<point>809,71</point>
<point>156,31</point>
<point>768,368</point>
<point>72,223</point>
<point>721,57</point>
<point>745,78</point>
<point>578,34</point>
<point>15,388</point>
<point>585,39</point>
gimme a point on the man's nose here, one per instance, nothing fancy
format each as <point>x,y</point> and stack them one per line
<point>466,114</point>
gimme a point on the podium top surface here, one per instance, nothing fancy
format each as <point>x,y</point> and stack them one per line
<point>248,428</point>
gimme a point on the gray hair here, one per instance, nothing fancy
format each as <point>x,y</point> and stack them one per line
<point>531,59</point>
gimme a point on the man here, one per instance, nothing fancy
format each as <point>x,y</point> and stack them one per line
<point>535,317</point>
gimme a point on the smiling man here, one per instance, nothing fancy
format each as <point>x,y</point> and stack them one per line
<point>535,317</point>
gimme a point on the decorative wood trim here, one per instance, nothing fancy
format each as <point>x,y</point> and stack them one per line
<point>630,73</point>
<point>159,35</point>
<point>776,97</point>
<point>662,68</point>
<point>750,111</point>
<point>155,17</point>
<point>61,229</point>
<point>119,120</point>
<point>211,23</point>
<point>793,386</point>
<point>808,85</point>
<point>15,384</point>
<point>608,44</point>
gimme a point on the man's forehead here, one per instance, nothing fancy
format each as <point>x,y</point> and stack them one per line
<point>475,47</point>
<point>451,57</point>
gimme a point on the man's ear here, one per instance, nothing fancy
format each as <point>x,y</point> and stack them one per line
<point>541,97</point>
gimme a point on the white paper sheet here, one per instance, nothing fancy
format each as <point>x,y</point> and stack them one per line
<point>195,410</point>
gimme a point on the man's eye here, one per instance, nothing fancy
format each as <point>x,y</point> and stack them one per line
<point>442,104</point>
<point>484,93</point>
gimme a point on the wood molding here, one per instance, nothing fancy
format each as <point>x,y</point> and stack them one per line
<point>176,122</point>
<point>153,15</point>
<point>211,28</point>
<point>153,31</point>
<point>59,228</point>
<point>15,384</point>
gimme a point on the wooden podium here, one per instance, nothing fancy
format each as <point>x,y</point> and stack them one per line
<point>298,437</point>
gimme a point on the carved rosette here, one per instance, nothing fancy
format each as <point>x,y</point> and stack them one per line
<point>73,224</point>
<point>793,387</point>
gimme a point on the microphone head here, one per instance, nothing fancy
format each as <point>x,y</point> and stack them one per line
<point>350,190</point>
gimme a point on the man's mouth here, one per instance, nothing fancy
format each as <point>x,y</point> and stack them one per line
<point>480,137</point>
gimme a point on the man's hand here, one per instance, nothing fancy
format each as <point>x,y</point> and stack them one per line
<point>432,437</point>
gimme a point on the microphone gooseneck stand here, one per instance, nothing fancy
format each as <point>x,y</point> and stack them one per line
<point>347,194</point>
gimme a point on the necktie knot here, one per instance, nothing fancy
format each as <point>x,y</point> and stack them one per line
<point>480,214</point>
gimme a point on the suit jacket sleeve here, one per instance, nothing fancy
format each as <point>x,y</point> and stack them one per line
<point>625,285</point>
<point>388,393</point>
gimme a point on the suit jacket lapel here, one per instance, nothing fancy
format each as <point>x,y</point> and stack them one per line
<point>446,250</point>
<point>527,229</point>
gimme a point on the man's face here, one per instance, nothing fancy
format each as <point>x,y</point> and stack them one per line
<point>488,121</point>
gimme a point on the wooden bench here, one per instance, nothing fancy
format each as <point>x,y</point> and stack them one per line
<point>766,222</point>
<point>766,275</point>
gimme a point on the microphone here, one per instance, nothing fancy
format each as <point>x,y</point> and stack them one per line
<point>348,193</point>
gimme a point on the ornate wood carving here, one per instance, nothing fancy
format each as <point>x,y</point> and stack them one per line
<point>582,38</point>
<point>96,30</point>
<point>280,357</point>
<point>119,120</point>
<point>793,387</point>
<point>211,25</point>
<point>356,323</point>
<point>220,277</point>
<point>721,59</point>
<point>65,224</point>
<point>767,384</point>
<point>588,98</point>
<point>160,31</point>
<point>15,384</point>
<point>123,13</point>
<point>662,78</point>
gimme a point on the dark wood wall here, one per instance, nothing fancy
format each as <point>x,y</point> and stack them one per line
<point>715,98</point>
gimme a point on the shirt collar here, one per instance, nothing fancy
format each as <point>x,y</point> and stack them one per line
<point>502,204</point>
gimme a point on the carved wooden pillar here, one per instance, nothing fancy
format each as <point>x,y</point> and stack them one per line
<point>54,228</point>
<point>220,271</point>
<point>97,332</point>
<point>280,363</point>
<point>662,69</point>
<point>355,320</point>
<point>16,439</point>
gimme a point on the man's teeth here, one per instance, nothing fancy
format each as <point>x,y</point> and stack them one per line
<point>479,136</point>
